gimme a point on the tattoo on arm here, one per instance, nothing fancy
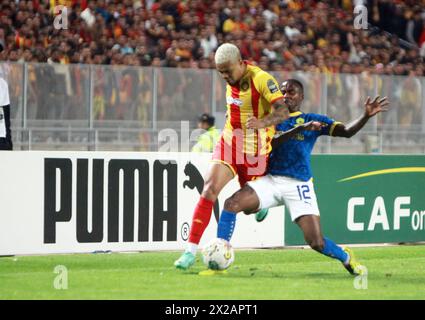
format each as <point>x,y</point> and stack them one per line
<point>279,114</point>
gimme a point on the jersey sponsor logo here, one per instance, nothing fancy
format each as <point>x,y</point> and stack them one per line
<point>272,86</point>
<point>231,100</point>
<point>299,137</point>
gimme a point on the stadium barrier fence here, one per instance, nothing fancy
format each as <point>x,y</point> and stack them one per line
<point>123,108</point>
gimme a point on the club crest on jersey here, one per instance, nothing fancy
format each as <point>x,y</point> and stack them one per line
<point>244,85</point>
<point>272,86</point>
<point>300,121</point>
<point>231,100</point>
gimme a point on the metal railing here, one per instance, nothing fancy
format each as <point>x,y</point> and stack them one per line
<point>91,107</point>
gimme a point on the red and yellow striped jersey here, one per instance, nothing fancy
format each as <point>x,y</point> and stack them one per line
<point>252,96</point>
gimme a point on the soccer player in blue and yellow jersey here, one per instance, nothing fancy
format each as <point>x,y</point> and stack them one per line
<point>254,106</point>
<point>289,178</point>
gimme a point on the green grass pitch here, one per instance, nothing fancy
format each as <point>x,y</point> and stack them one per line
<point>393,273</point>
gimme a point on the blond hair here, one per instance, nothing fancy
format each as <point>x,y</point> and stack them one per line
<point>227,52</point>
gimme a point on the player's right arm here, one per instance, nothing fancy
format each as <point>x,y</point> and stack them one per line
<point>371,108</point>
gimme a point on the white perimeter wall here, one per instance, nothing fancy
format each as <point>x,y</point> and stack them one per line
<point>22,207</point>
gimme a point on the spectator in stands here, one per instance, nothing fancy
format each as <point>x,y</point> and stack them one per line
<point>287,33</point>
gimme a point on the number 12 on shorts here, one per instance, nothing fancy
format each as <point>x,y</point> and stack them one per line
<point>303,191</point>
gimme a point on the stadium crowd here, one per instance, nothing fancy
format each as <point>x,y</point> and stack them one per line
<point>283,35</point>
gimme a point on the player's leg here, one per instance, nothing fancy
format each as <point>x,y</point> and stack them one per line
<point>217,177</point>
<point>302,203</point>
<point>254,167</point>
<point>243,200</point>
<point>257,194</point>
<point>310,225</point>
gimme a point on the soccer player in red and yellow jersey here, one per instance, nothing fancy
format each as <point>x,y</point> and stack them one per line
<point>254,105</point>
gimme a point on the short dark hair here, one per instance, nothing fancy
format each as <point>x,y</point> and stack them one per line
<point>206,117</point>
<point>296,83</point>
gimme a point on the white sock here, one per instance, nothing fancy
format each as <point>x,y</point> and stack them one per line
<point>192,248</point>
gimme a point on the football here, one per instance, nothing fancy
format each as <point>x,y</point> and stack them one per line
<point>218,254</point>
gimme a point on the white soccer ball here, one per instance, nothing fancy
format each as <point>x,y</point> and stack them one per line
<point>218,254</point>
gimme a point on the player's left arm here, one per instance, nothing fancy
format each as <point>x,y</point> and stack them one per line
<point>371,108</point>
<point>283,136</point>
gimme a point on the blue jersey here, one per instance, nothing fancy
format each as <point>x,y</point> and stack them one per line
<point>292,158</point>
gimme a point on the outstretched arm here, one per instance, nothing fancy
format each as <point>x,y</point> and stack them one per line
<point>371,108</point>
<point>283,136</point>
<point>279,114</point>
